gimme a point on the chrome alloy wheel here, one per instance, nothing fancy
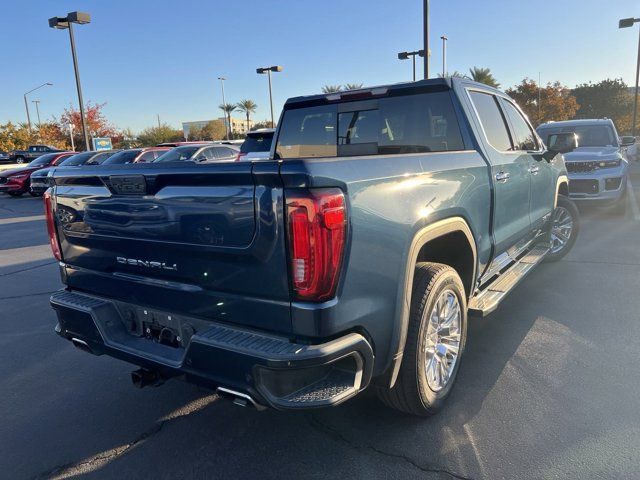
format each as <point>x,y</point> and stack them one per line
<point>442,340</point>
<point>561,229</point>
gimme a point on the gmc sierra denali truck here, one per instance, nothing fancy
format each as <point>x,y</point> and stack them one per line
<point>351,258</point>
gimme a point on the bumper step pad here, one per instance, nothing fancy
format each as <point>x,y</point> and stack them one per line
<point>490,297</point>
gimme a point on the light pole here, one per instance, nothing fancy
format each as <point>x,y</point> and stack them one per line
<point>625,23</point>
<point>406,55</point>
<point>26,105</point>
<point>268,70</point>
<point>37,102</point>
<point>67,22</point>
<point>425,28</point>
<point>444,55</point>
<point>224,113</point>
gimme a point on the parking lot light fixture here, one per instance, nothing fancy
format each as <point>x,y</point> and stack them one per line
<point>626,23</point>
<point>406,55</point>
<point>37,102</point>
<point>67,22</point>
<point>26,104</point>
<point>224,102</point>
<point>268,70</point>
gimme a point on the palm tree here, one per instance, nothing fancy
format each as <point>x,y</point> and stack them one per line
<point>353,86</point>
<point>483,75</point>
<point>227,108</point>
<point>248,107</point>
<point>332,88</point>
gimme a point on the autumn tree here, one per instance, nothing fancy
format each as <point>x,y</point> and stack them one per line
<point>262,124</point>
<point>97,124</point>
<point>152,136</point>
<point>214,130</point>
<point>556,101</point>
<point>609,98</point>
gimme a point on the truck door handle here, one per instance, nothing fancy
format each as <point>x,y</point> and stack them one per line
<point>502,176</point>
<point>534,169</point>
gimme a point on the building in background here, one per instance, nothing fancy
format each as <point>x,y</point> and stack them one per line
<point>238,125</point>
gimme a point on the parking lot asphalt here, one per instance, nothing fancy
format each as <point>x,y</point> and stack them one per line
<point>548,388</point>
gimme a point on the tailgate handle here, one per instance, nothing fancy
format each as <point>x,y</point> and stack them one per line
<point>128,184</point>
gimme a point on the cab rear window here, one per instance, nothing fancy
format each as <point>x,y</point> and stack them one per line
<point>393,125</point>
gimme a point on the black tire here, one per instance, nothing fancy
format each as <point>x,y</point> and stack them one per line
<point>570,207</point>
<point>19,159</point>
<point>34,194</point>
<point>411,392</point>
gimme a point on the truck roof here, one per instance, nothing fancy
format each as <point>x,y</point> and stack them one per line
<point>581,121</point>
<point>362,93</point>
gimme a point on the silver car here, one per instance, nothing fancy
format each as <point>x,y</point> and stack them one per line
<point>597,169</point>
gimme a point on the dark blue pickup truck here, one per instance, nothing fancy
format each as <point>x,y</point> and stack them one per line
<point>350,259</point>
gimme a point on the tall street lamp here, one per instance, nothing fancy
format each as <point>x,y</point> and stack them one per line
<point>444,55</point>
<point>625,23</point>
<point>224,113</point>
<point>26,105</point>
<point>406,55</point>
<point>67,22</point>
<point>37,102</point>
<point>268,70</point>
<point>425,32</point>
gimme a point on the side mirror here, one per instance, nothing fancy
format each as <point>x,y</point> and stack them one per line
<point>560,143</point>
<point>627,141</point>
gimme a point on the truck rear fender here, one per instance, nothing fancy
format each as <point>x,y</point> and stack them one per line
<point>461,254</point>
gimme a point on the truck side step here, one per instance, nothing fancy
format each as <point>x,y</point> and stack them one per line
<point>488,299</point>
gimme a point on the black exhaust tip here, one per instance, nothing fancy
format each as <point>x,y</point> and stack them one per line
<point>143,378</point>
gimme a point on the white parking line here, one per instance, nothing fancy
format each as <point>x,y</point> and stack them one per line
<point>5,221</point>
<point>633,200</point>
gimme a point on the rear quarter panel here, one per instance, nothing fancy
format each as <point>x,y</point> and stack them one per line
<point>390,198</point>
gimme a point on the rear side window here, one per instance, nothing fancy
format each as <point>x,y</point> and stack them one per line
<point>524,139</point>
<point>492,120</point>
<point>393,125</point>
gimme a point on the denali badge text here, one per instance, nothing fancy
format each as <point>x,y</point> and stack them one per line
<point>147,263</point>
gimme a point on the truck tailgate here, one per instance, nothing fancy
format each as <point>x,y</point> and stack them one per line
<point>204,240</point>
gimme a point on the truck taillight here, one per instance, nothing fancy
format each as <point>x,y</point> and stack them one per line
<point>317,226</point>
<point>51,226</point>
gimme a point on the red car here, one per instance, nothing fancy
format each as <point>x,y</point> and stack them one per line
<point>15,182</point>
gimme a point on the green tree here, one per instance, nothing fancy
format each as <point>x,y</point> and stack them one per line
<point>154,135</point>
<point>609,98</point>
<point>455,74</point>
<point>556,101</point>
<point>353,86</point>
<point>262,124</point>
<point>331,88</point>
<point>483,75</point>
<point>248,107</point>
<point>227,108</point>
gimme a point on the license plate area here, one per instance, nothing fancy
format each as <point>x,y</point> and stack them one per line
<point>160,327</point>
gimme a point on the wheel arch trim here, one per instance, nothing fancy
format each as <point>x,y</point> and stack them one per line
<point>403,304</point>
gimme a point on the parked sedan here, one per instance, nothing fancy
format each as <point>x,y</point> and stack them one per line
<point>136,155</point>
<point>201,153</point>
<point>16,181</point>
<point>39,182</point>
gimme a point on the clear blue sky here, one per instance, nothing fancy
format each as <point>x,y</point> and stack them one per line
<point>148,57</point>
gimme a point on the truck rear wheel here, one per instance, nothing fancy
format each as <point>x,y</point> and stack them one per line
<point>435,342</point>
<point>19,159</point>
